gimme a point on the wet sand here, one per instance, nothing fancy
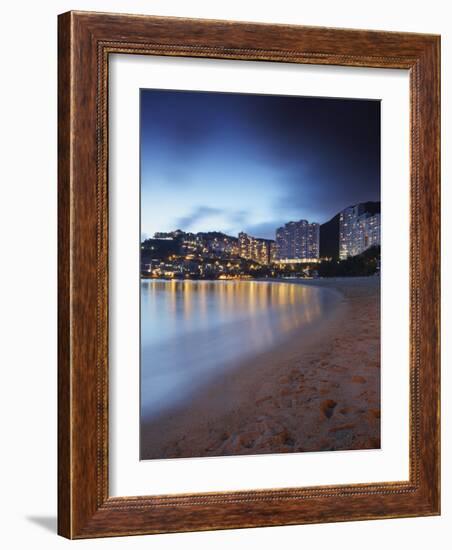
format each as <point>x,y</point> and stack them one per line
<point>319,391</point>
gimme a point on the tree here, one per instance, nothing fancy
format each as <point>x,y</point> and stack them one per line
<point>364,264</point>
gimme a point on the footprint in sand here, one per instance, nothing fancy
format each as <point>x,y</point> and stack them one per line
<point>327,407</point>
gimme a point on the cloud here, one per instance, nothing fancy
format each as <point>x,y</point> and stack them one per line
<point>238,217</point>
<point>198,214</point>
<point>319,195</point>
<point>264,230</point>
<point>302,158</point>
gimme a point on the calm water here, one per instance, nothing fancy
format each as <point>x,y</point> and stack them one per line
<point>191,330</point>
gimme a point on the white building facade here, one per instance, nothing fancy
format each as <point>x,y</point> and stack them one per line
<point>298,241</point>
<point>358,231</point>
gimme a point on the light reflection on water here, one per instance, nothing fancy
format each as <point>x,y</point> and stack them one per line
<point>191,330</point>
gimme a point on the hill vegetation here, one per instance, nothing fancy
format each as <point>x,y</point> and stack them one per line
<point>364,264</point>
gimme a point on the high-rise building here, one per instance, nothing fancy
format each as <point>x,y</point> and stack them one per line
<point>358,231</point>
<point>259,250</point>
<point>298,241</point>
<point>272,251</point>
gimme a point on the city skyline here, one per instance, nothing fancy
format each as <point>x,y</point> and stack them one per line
<point>296,242</point>
<point>242,162</point>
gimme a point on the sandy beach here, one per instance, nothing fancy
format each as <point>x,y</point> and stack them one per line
<point>318,391</point>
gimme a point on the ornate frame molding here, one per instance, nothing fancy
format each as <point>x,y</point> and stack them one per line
<point>85,42</point>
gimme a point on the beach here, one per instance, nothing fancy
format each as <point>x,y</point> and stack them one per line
<point>317,391</point>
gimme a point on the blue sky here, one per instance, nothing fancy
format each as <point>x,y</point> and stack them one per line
<point>243,162</point>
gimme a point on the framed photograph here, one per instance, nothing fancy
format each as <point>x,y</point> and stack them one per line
<point>248,275</point>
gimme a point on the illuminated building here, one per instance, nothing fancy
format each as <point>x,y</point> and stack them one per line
<point>222,245</point>
<point>358,231</point>
<point>297,242</point>
<point>253,248</point>
<point>165,235</point>
<point>272,252</point>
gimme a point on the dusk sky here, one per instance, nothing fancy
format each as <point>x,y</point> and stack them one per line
<point>244,162</point>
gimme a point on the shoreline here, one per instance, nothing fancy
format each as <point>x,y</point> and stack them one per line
<point>313,392</point>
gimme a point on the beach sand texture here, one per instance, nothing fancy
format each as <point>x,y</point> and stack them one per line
<point>320,391</point>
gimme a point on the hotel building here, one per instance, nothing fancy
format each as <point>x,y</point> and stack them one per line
<point>259,250</point>
<point>358,231</point>
<point>298,242</point>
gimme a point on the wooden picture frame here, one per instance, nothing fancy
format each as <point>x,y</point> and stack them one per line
<point>86,40</point>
